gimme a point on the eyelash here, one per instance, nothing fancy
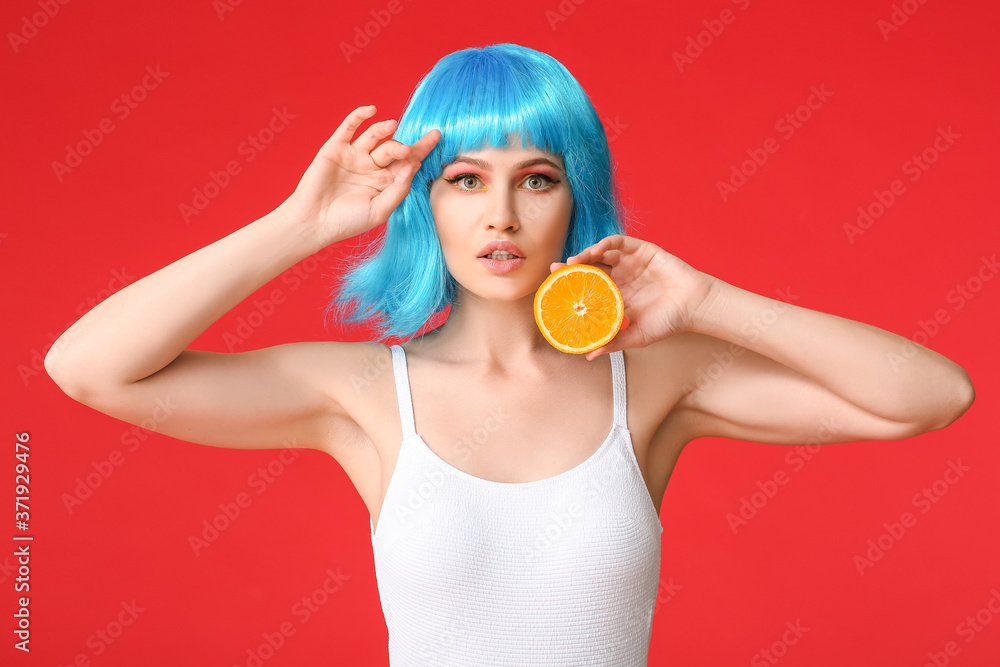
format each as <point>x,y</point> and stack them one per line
<point>461,177</point>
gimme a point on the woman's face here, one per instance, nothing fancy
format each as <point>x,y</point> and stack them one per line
<point>516,195</point>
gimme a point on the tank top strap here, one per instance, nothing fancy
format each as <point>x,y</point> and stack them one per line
<point>406,402</point>
<point>618,382</point>
<point>403,392</point>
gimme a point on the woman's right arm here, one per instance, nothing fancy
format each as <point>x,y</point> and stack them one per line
<point>127,357</point>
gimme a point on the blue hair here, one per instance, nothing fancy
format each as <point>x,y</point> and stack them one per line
<point>478,97</point>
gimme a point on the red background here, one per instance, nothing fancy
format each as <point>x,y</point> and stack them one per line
<point>676,132</point>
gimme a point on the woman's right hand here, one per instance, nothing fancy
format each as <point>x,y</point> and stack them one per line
<point>351,188</point>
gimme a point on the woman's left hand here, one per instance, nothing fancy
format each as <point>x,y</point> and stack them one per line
<point>662,294</point>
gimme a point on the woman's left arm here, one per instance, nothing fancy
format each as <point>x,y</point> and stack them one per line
<point>788,367</point>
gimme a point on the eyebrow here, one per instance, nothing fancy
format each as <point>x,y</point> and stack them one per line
<point>483,164</point>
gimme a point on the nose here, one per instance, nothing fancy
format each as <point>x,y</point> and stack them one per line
<point>501,213</point>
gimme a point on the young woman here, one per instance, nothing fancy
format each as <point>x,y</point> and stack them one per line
<point>514,490</point>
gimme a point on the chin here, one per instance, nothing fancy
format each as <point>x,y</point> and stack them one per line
<point>499,287</point>
<point>508,292</point>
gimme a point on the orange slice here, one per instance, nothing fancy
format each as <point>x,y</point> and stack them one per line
<point>578,308</point>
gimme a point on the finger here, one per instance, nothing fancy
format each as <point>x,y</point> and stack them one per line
<point>622,341</point>
<point>588,253</point>
<point>423,146</point>
<point>385,202</point>
<point>608,251</point>
<point>399,151</point>
<point>389,151</point>
<point>375,133</point>
<point>581,259</point>
<point>345,132</point>
<point>612,346</point>
<point>612,257</point>
<point>604,349</point>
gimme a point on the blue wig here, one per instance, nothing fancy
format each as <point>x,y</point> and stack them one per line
<point>478,97</point>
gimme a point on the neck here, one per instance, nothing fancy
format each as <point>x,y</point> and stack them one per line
<point>500,335</point>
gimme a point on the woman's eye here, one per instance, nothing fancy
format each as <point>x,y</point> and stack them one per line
<point>466,182</point>
<point>470,182</point>
<point>539,182</point>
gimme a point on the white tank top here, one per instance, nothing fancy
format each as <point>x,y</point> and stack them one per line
<point>558,571</point>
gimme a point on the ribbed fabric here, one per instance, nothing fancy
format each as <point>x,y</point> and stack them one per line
<point>558,571</point>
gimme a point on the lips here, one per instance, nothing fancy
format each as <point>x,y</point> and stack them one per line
<point>505,246</point>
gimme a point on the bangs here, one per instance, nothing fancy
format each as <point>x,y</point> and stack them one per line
<point>485,101</point>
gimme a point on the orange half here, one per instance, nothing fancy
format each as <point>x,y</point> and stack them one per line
<point>578,308</point>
